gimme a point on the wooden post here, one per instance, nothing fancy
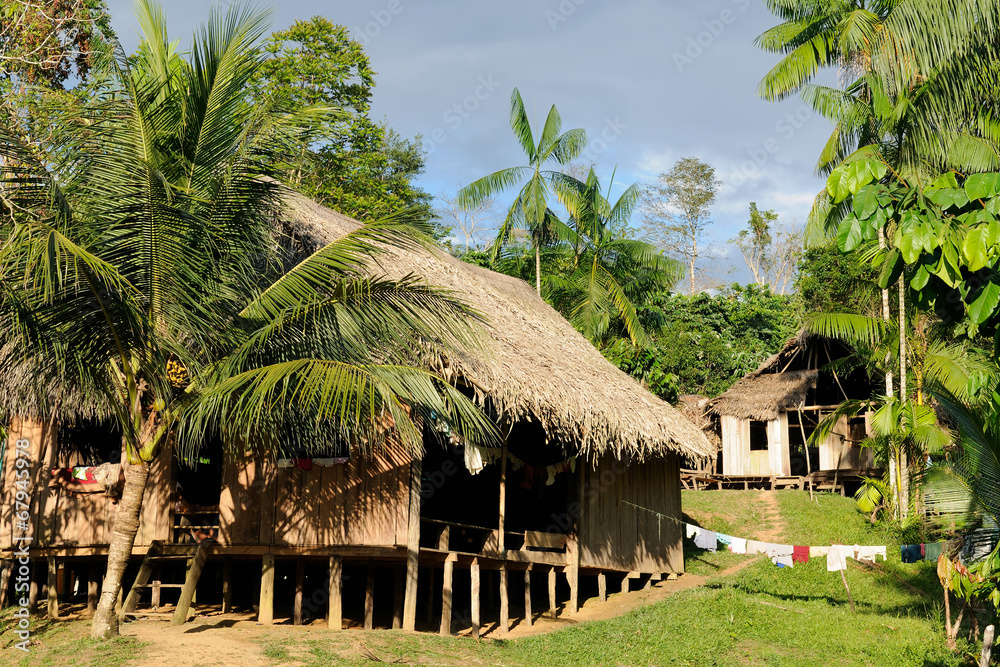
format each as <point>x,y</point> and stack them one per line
<point>300,583</point>
<point>552,593</point>
<point>118,602</point>
<point>53,586</point>
<point>370,597</point>
<point>573,577</point>
<point>527,597</point>
<point>191,584</point>
<point>398,586</point>
<point>984,657</point>
<point>155,590</point>
<point>227,586</point>
<point>145,570</point>
<point>501,538</point>
<point>504,603</point>
<point>412,548</point>
<point>33,588</point>
<point>93,585</point>
<point>446,593</point>
<point>335,618</point>
<point>474,576</point>
<point>602,586</point>
<point>850,598</point>
<point>265,614</point>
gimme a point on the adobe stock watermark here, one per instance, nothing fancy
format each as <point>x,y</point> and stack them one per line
<point>612,130</point>
<point>381,18</point>
<point>704,39</point>
<point>785,127</point>
<point>21,562</point>
<point>561,13</point>
<point>459,112</point>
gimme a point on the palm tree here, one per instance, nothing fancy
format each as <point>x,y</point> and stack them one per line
<point>609,272</point>
<point>151,245</point>
<point>530,209</point>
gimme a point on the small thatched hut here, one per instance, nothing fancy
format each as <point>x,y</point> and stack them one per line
<point>585,486</point>
<point>766,418</point>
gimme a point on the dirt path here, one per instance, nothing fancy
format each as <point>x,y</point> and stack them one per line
<point>776,529</point>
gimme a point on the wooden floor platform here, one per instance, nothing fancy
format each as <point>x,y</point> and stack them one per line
<point>821,480</point>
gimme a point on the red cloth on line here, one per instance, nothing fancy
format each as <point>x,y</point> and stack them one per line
<point>800,554</point>
<point>304,464</point>
<point>923,551</point>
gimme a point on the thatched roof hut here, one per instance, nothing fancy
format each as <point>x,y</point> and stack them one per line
<point>536,366</point>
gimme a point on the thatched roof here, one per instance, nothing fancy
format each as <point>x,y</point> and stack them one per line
<point>778,383</point>
<point>535,365</point>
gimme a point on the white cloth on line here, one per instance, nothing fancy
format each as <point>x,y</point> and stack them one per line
<point>836,559</point>
<point>473,459</point>
<point>691,531</point>
<point>738,545</point>
<point>869,553</point>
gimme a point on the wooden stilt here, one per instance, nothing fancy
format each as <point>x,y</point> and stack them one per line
<point>474,576</point>
<point>300,584</point>
<point>145,571</point>
<point>118,602</point>
<point>93,585</point>
<point>53,588</point>
<point>504,602</point>
<point>573,577</point>
<point>33,588</point>
<point>602,586</point>
<point>370,597</point>
<point>191,584</point>
<point>227,586</point>
<point>155,589</point>
<point>265,613</point>
<point>552,593</point>
<point>334,615</point>
<point>412,548</point>
<point>527,597</point>
<point>398,587</point>
<point>648,584</point>
<point>447,579</point>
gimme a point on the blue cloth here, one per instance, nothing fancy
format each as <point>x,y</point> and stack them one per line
<point>910,553</point>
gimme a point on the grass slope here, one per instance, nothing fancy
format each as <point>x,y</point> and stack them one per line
<point>761,615</point>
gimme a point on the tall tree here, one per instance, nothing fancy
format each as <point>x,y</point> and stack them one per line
<point>350,163</point>
<point>153,245</point>
<point>676,212</point>
<point>609,272</point>
<point>770,252</point>
<point>474,223</point>
<point>530,209</point>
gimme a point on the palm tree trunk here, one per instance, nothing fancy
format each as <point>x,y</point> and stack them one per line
<point>904,472</point>
<point>893,457</point>
<point>126,526</point>
<point>538,270</point>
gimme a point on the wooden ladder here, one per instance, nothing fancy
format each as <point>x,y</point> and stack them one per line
<point>196,557</point>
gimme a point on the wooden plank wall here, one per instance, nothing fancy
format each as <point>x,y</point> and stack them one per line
<point>735,445</point>
<point>779,460</point>
<point>616,536</point>
<point>62,518</point>
<point>362,502</point>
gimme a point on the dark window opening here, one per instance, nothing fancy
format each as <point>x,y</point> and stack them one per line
<point>758,436</point>
<point>89,442</point>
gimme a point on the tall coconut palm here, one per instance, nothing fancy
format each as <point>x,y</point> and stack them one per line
<point>530,209</point>
<point>151,245</point>
<point>609,272</point>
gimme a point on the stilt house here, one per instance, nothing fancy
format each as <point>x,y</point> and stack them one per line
<point>585,487</point>
<point>766,419</point>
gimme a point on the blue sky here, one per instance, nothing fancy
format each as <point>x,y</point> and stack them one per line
<point>651,82</point>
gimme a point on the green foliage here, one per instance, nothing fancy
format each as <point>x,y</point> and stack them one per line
<point>352,164</point>
<point>830,281</point>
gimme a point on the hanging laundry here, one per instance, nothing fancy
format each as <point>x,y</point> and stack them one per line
<point>473,459</point>
<point>780,553</point>
<point>330,462</point>
<point>923,551</point>
<point>783,561</point>
<point>836,560</point>
<point>691,531</point>
<point>303,464</point>
<point>911,553</point>
<point>724,539</point>
<point>800,554</point>
<point>754,547</point>
<point>738,546</point>
<point>869,553</point>
<point>933,551</point>
<point>816,552</point>
<point>706,540</point>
